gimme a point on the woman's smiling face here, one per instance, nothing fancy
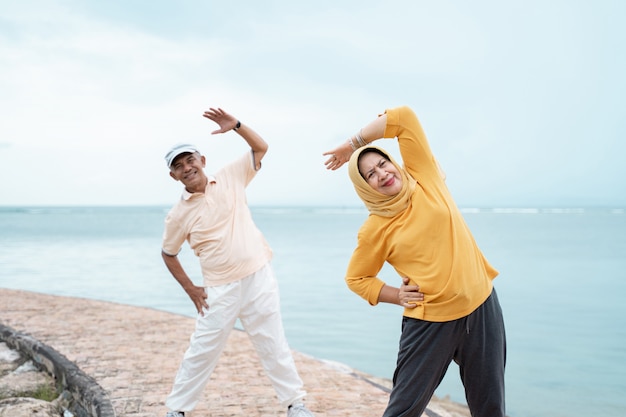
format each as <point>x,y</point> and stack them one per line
<point>380,173</point>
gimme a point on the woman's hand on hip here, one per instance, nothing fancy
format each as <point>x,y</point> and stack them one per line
<point>409,295</point>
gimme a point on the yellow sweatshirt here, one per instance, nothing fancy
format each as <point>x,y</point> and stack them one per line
<point>428,242</point>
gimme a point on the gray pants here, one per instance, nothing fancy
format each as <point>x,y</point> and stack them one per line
<point>477,343</point>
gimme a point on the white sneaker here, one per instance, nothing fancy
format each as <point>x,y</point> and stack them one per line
<point>298,410</point>
<point>175,414</point>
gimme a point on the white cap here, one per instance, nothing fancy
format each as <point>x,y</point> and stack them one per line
<point>177,150</point>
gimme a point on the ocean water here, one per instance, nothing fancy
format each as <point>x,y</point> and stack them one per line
<point>561,285</point>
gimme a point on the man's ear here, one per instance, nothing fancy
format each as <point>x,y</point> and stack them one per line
<point>173,176</point>
<point>203,159</point>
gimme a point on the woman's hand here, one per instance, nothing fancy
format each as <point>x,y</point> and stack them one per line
<point>338,156</point>
<point>409,295</point>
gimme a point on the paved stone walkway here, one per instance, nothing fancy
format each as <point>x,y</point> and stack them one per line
<point>134,353</point>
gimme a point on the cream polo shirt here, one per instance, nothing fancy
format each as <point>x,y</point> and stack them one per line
<point>218,226</point>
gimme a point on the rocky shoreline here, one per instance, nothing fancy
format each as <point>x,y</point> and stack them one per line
<point>131,354</point>
<point>23,384</point>
<point>25,389</point>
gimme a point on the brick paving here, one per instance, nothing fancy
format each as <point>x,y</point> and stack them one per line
<point>133,353</point>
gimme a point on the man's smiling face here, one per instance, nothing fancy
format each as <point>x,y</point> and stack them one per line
<point>188,168</point>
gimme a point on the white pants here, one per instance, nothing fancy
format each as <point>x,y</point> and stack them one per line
<point>255,301</point>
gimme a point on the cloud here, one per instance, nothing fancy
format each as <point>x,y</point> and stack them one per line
<point>517,101</point>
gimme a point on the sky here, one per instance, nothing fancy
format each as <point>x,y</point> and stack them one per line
<point>523,102</point>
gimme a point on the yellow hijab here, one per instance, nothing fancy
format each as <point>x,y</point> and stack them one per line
<point>377,203</point>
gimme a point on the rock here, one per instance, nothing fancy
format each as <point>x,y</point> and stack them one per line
<point>7,354</point>
<point>19,379</point>
<point>26,367</point>
<point>9,359</point>
<point>28,407</point>
<point>19,383</point>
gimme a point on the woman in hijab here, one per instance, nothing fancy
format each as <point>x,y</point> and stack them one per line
<point>451,310</point>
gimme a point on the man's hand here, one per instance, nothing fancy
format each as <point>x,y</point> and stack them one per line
<point>198,297</point>
<point>219,116</point>
<point>409,295</point>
